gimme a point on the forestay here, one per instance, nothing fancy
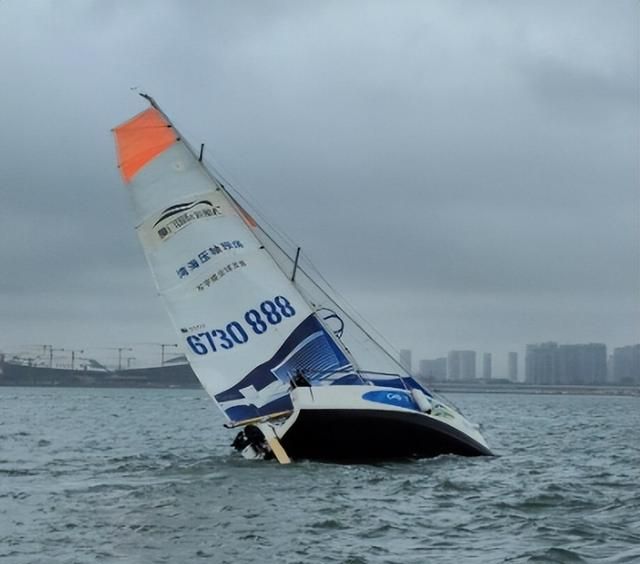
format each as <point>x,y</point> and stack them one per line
<point>244,326</point>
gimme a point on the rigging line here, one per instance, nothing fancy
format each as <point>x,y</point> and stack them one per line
<point>350,310</point>
<point>229,184</point>
<point>354,313</point>
<point>264,220</point>
<point>210,173</point>
<point>206,163</point>
<point>350,316</point>
<point>338,342</point>
<point>233,186</point>
<point>217,175</point>
<point>256,212</point>
<point>215,179</point>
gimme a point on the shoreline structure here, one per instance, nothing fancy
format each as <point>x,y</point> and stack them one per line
<point>182,376</point>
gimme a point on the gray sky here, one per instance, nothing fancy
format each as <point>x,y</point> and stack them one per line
<point>466,173</point>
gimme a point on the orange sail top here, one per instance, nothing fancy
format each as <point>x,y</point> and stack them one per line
<point>140,140</point>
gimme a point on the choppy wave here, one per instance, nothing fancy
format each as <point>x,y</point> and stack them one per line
<point>147,476</point>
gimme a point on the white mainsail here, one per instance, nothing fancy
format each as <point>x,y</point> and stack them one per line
<point>243,325</point>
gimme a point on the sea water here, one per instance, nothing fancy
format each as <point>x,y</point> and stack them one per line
<point>146,476</point>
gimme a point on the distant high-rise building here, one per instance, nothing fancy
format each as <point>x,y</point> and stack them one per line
<point>540,363</point>
<point>453,365</point>
<point>513,366</point>
<point>486,366</point>
<point>550,363</point>
<point>405,360</point>
<point>582,364</point>
<point>626,365</point>
<point>594,363</point>
<point>468,365</point>
<point>461,365</point>
<point>433,370</point>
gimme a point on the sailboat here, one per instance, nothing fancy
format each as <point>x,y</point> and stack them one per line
<point>293,369</point>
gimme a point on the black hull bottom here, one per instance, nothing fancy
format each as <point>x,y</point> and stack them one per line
<point>373,436</point>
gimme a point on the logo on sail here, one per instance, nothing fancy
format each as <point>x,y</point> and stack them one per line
<point>176,217</point>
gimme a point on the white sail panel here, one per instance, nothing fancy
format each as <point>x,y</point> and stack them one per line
<point>242,324</point>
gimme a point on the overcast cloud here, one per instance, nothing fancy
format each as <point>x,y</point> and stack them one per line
<point>466,173</point>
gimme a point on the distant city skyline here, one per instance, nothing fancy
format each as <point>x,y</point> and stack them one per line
<point>576,364</point>
<point>543,363</point>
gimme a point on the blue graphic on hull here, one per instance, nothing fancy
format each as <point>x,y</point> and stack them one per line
<point>265,389</point>
<point>399,398</point>
<point>400,382</point>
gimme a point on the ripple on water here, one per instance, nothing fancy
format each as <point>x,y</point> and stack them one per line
<point>555,556</point>
<point>147,476</point>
